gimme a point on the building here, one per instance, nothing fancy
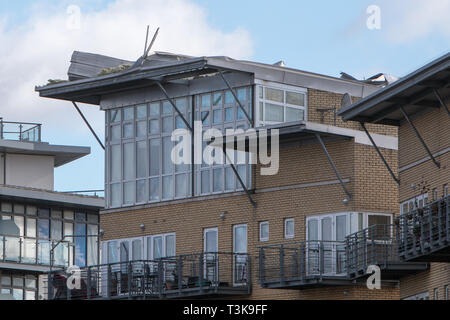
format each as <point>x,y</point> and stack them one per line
<point>171,231</point>
<point>419,105</point>
<point>36,221</point>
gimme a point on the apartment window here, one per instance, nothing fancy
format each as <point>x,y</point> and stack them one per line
<point>435,194</point>
<point>289,228</point>
<point>264,231</point>
<point>19,286</point>
<point>447,292</point>
<point>280,103</point>
<point>436,294</point>
<point>414,203</point>
<point>445,190</point>
<point>139,166</point>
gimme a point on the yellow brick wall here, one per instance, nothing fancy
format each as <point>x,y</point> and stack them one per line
<point>299,165</point>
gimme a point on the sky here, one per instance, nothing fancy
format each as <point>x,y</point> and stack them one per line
<point>38,37</point>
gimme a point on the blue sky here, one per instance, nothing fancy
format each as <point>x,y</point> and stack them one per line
<point>319,36</point>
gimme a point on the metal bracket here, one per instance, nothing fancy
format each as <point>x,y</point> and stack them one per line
<point>379,153</point>
<point>174,106</point>
<point>236,173</point>
<point>319,138</point>
<point>89,126</point>
<point>237,99</point>
<point>441,101</point>
<point>419,137</point>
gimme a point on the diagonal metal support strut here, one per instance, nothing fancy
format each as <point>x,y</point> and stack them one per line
<point>441,101</point>
<point>174,106</point>
<point>237,99</point>
<point>379,153</point>
<point>419,137</point>
<point>319,138</point>
<point>87,123</point>
<point>233,167</point>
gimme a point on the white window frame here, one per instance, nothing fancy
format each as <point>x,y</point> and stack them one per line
<point>277,86</point>
<point>204,237</point>
<point>286,236</point>
<point>423,197</point>
<point>261,238</point>
<point>239,259</point>
<point>419,296</point>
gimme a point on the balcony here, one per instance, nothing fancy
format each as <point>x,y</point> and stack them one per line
<point>312,264</point>
<point>33,253</point>
<point>187,276</point>
<point>424,233</point>
<point>20,131</point>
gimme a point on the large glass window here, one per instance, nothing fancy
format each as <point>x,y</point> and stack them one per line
<point>279,103</point>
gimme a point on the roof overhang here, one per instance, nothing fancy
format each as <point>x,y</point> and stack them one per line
<point>292,133</point>
<point>62,154</point>
<point>415,93</point>
<point>92,89</point>
<point>39,196</point>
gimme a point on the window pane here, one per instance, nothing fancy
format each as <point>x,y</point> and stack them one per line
<point>19,208</point>
<point>229,98</point>
<point>205,118</point>
<point>157,247</point>
<point>44,228</point>
<point>240,239</point>
<point>154,126</point>
<point>274,113</point>
<point>154,189</point>
<point>141,151</point>
<point>115,195</point>
<point>168,187</point>
<point>181,105</point>
<point>112,252</point>
<point>295,98</point>
<point>80,245</point>
<point>167,125</point>
<point>242,170</point>
<point>206,101</point>
<point>154,110</point>
<point>30,295</point>
<point>313,230</point>
<point>128,130</point>
<point>181,185</point>
<point>289,228</point>
<point>229,179</point>
<point>128,193</point>
<point>115,133</point>
<point>274,95</point>
<point>293,114</point>
<point>137,250</point>
<point>205,182</point>
<point>128,114</point>
<point>115,163</point>
<point>68,231</point>
<point>229,114</point>
<point>128,161</point>
<point>170,246</point>
<point>264,231</point>
<point>167,152</point>
<point>20,221</point>
<point>140,191</point>
<point>341,227</point>
<point>31,228</point>
<point>116,116</point>
<point>141,129</point>
<point>68,214</point>
<point>141,112</point>
<point>167,108</point>
<point>242,95</point>
<point>261,111</point>
<point>154,157</point>
<point>217,99</point>
<point>326,229</point>
<point>56,230</point>
<point>379,220</point>
<point>218,180</point>
<point>217,116</point>
<point>32,211</point>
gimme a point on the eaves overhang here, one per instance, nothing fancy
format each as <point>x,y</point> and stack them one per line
<point>415,93</point>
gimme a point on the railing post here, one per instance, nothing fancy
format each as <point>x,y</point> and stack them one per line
<point>130,279</point>
<point>180,274</point>
<point>200,272</point>
<point>20,249</point>
<point>262,271</point>
<point>365,250</point>
<point>50,286</point>
<point>160,277</point>
<point>249,274</point>
<point>20,132</point>
<point>302,262</point>
<point>89,284</point>
<point>281,263</point>
<point>372,243</point>
<point>321,258</point>
<point>108,281</point>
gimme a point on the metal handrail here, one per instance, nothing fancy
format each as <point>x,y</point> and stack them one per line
<point>26,131</point>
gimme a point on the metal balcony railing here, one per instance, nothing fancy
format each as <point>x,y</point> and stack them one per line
<point>20,131</point>
<point>312,263</point>
<point>424,233</point>
<point>193,275</point>
<point>32,251</point>
<point>301,262</point>
<point>376,245</point>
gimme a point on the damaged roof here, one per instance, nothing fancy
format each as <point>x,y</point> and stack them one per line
<point>91,75</point>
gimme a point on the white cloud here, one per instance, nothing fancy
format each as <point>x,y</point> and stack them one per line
<point>404,21</point>
<point>40,49</point>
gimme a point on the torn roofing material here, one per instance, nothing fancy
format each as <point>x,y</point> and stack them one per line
<point>87,86</point>
<point>421,90</point>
